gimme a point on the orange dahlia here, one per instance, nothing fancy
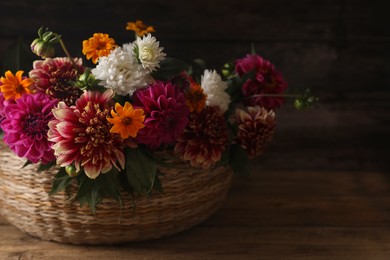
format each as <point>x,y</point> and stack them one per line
<point>98,45</point>
<point>139,28</point>
<point>126,120</point>
<point>14,86</point>
<point>204,139</point>
<point>255,129</point>
<point>196,99</point>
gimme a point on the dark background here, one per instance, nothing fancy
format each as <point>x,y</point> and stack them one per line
<point>330,45</point>
<point>338,48</point>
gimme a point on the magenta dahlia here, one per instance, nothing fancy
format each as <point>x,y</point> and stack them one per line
<point>53,76</point>
<point>255,129</point>
<point>165,113</point>
<point>3,104</point>
<point>82,137</point>
<point>25,127</point>
<point>204,139</point>
<point>267,81</point>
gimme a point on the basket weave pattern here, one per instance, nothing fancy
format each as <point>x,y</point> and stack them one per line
<point>190,196</point>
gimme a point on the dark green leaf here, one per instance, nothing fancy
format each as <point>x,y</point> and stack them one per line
<point>169,67</point>
<point>253,49</point>
<point>44,167</point>
<point>60,182</point>
<point>239,159</point>
<point>28,162</point>
<point>141,170</point>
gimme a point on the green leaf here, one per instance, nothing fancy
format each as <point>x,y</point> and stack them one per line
<point>17,56</point>
<point>28,162</point>
<point>253,49</point>
<point>141,170</point>
<point>45,167</point>
<point>110,186</point>
<point>197,69</point>
<point>88,192</point>
<point>239,159</point>
<point>61,181</point>
<point>92,191</point>
<point>169,67</point>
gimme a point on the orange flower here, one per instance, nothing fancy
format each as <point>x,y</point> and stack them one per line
<point>139,28</point>
<point>196,99</point>
<point>98,45</point>
<point>14,86</point>
<point>126,120</point>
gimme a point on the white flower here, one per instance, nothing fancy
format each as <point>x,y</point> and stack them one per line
<point>214,87</point>
<point>121,72</point>
<point>148,52</point>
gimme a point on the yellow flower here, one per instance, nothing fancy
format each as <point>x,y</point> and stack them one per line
<point>139,28</point>
<point>126,120</point>
<point>98,45</point>
<point>195,97</point>
<point>14,86</point>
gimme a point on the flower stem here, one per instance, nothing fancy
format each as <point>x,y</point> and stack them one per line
<point>69,56</point>
<point>275,95</point>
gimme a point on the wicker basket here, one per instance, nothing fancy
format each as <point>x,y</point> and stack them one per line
<point>190,196</point>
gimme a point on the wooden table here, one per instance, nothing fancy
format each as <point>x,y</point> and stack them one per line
<point>322,191</point>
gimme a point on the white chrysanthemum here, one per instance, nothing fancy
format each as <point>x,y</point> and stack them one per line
<point>148,52</point>
<point>121,72</point>
<point>214,87</point>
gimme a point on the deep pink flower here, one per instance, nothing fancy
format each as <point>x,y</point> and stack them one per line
<point>3,104</point>
<point>25,127</point>
<point>204,139</point>
<point>52,76</point>
<point>82,137</point>
<point>166,113</point>
<point>267,80</point>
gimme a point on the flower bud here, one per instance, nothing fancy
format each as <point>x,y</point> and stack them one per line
<point>42,49</point>
<point>71,170</point>
<point>43,46</point>
<point>227,70</point>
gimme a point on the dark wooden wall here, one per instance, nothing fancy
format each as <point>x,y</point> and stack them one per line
<point>330,45</point>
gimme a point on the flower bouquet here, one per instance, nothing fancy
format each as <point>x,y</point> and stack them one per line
<point>148,142</point>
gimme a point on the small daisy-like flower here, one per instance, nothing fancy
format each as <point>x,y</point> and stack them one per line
<point>99,45</point>
<point>148,52</point>
<point>214,87</point>
<point>126,120</point>
<point>196,99</point>
<point>204,139</point>
<point>14,86</point>
<point>53,77</point>
<point>139,28</point>
<point>82,137</point>
<point>255,129</point>
<point>121,72</point>
<point>25,127</point>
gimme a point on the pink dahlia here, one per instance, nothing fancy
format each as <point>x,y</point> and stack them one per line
<point>82,137</point>
<point>3,104</point>
<point>25,127</point>
<point>52,76</point>
<point>204,139</point>
<point>255,129</point>
<point>165,113</point>
<point>267,81</point>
